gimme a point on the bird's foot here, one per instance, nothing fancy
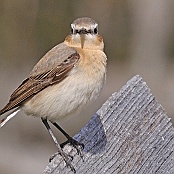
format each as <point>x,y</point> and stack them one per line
<point>78,146</point>
<point>66,158</point>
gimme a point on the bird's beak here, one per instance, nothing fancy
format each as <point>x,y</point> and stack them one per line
<point>82,39</point>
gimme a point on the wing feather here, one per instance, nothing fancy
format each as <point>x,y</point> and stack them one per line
<point>36,83</point>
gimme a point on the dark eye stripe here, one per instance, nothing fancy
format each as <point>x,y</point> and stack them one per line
<point>75,31</point>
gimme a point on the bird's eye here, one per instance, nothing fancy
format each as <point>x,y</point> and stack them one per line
<point>95,30</point>
<point>72,31</point>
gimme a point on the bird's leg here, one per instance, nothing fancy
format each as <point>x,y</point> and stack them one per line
<point>65,157</point>
<point>70,140</point>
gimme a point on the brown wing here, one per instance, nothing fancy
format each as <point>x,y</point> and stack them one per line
<point>35,84</point>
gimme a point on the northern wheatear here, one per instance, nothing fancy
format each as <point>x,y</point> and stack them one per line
<point>64,81</point>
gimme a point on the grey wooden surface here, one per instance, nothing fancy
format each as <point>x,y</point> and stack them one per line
<point>130,134</point>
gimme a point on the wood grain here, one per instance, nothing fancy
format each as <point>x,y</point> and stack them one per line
<point>130,134</point>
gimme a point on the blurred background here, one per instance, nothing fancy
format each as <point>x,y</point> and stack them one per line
<point>139,39</point>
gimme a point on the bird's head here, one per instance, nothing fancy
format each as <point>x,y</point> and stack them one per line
<point>84,34</point>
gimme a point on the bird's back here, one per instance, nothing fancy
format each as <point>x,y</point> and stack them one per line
<point>53,58</point>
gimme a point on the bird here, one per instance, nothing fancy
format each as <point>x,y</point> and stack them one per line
<point>64,81</point>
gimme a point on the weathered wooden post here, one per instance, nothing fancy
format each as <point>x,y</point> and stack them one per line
<point>130,134</point>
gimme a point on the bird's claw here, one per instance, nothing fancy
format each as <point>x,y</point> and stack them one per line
<point>66,158</point>
<point>78,146</point>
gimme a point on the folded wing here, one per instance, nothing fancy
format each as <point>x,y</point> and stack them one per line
<point>37,82</point>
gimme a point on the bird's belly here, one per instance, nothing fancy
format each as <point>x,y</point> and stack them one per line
<point>65,99</point>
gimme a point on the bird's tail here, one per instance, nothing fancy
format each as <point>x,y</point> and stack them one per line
<point>9,116</point>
